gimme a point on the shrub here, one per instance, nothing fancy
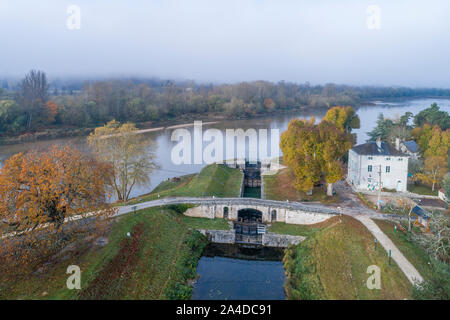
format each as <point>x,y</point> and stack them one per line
<point>180,208</point>
<point>181,290</point>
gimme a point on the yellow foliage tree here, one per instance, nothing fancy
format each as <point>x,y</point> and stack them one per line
<point>434,170</point>
<point>313,152</point>
<point>343,118</point>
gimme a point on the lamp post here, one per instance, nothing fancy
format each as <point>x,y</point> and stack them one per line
<point>390,254</point>
<point>375,240</point>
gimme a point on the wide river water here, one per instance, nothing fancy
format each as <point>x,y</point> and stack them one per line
<point>164,145</point>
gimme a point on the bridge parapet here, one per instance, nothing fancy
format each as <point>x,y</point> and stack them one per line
<point>272,211</point>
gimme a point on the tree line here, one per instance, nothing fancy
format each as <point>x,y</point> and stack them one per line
<point>36,103</point>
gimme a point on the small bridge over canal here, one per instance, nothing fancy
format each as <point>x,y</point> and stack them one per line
<point>258,210</point>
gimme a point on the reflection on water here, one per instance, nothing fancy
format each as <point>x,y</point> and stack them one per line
<point>228,272</point>
<point>367,114</point>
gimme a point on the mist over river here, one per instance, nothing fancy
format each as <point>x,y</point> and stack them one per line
<point>367,114</point>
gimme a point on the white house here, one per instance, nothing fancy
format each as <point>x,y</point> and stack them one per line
<point>369,161</point>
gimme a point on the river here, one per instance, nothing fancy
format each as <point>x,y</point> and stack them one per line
<point>168,169</point>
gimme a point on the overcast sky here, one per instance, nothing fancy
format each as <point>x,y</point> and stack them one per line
<point>232,40</point>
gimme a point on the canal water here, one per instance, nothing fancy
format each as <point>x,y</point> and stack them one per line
<point>231,272</point>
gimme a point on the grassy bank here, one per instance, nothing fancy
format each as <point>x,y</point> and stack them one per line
<point>280,186</point>
<point>301,230</point>
<point>154,262</point>
<point>415,254</point>
<point>213,180</point>
<point>332,264</point>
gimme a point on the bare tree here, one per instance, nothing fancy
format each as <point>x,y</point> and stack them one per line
<point>33,94</point>
<point>436,243</point>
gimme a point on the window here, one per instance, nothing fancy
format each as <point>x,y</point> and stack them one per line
<point>274,215</point>
<point>388,159</point>
<point>400,159</point>
<point>388,169</point>
<point>369,168</point>
<point>369,158</point>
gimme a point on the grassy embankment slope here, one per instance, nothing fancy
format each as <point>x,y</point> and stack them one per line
<point>280,186</point>
<point>155,262</point>
<point>332,264</point>
<point>213,180</point>
<point>415,254</point>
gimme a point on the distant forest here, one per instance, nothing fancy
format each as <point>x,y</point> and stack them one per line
<point>34,103</point>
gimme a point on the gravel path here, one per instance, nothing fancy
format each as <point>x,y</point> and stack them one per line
<point>408,269</point>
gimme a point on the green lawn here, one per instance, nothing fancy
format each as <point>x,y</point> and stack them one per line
<point>416,255</point>
<point>421,189</point>
<point>153,263</point>
<point>300,230</point>
<point>280,186</point>
<point>332,264</point>
<point>214,180</point>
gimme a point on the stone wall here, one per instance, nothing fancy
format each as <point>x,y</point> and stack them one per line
<point>268,239</point>
<point>219,236</point>
<point>291,216</point>
<point>280,240</point>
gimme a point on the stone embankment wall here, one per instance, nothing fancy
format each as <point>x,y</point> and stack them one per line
<point>219,236</point>
<point>268,239</point>
<point>280,240</point>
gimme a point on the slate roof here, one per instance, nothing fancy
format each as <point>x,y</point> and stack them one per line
<point>420,212</point>
<point>411,146</point>
<point>371,149</point>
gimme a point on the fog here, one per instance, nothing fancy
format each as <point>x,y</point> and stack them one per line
<point>232,40</point>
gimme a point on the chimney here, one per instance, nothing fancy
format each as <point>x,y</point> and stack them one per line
<point>379,143</point>
<point>397,144</point>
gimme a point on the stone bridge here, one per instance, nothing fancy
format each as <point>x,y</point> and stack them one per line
<point>271,211</point>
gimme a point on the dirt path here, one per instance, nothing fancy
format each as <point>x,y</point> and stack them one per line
<point>408,269</point>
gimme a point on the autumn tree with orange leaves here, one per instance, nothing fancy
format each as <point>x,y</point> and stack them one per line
<point>42,198</point>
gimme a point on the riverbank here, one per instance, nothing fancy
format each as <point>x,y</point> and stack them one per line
<point>144,127</point>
